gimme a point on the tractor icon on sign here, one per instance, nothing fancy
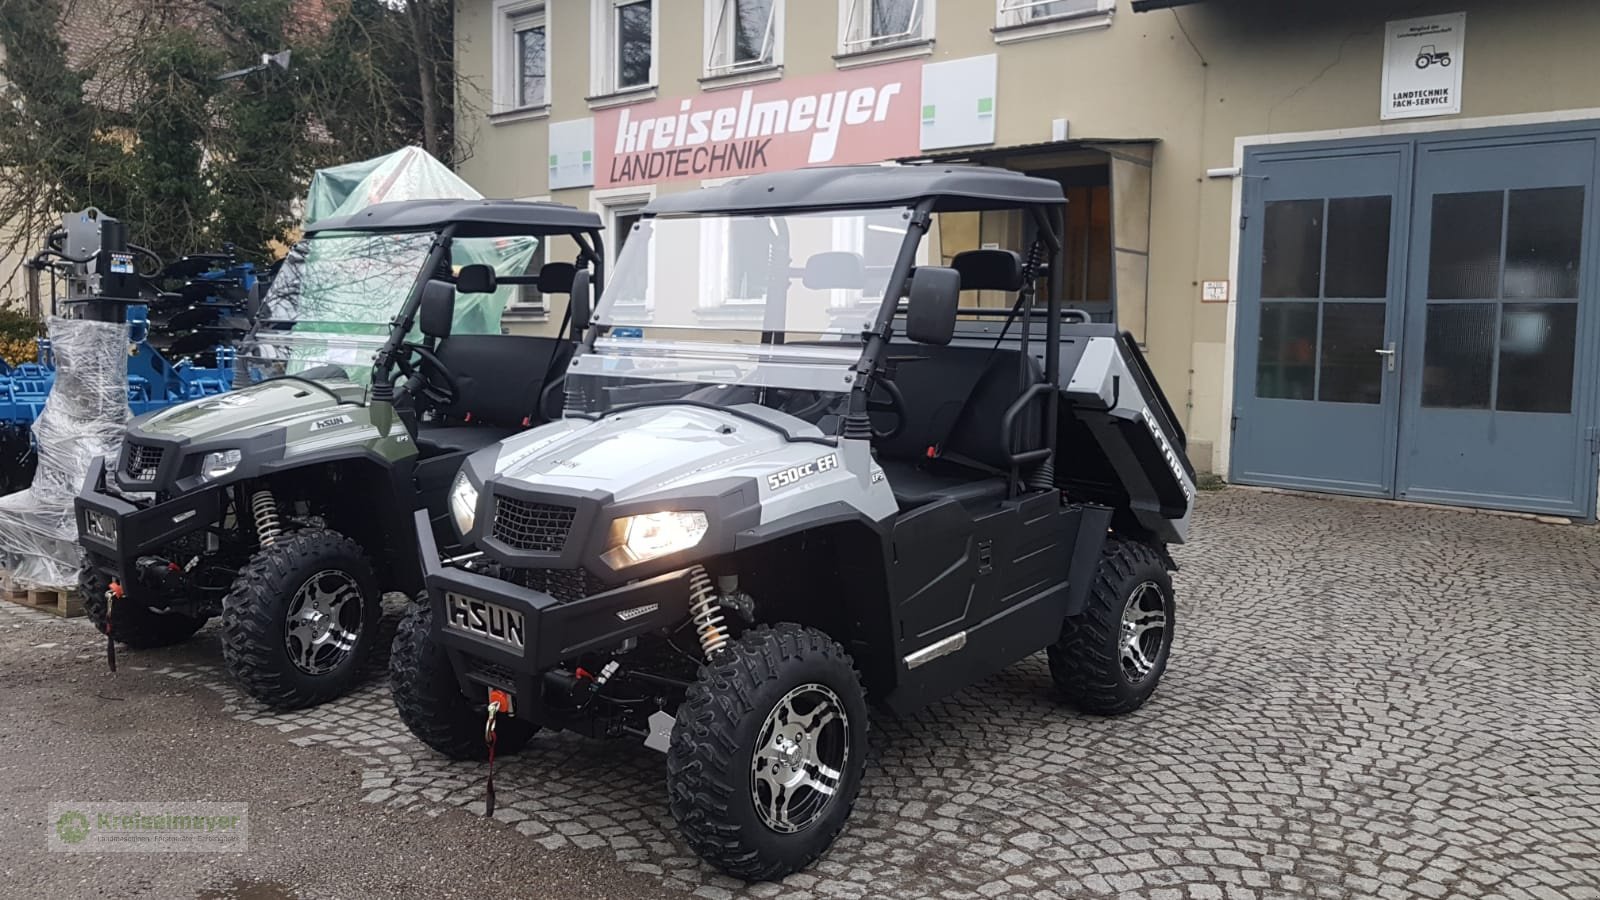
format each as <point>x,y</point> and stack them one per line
<point>1429,55</point>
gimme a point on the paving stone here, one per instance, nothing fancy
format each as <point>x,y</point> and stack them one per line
<point>1364,700</point>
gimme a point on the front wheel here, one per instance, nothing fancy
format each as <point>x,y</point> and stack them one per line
<point>302,619</point>
<point>131,620</point>
<point>768,751</point>
<point>429,698</point>
<point>1111,656</point>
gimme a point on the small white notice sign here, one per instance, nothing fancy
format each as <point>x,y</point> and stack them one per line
<point>1422,60</point>
<point>1214,292</point>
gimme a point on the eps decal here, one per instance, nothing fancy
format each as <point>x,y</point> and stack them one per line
<point>789,476</point>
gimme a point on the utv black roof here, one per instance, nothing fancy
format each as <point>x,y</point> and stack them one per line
<point>472,218</point>
<point>953,188</point>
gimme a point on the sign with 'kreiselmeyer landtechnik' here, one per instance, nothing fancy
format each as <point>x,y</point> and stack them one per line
<point>1422,60</point>
<point>859,116</point>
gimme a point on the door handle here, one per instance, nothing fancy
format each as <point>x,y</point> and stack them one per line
<point>1388,353</point>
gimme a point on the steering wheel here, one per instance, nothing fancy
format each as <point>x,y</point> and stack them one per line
<point>895,406</point>
<point>427,376</point>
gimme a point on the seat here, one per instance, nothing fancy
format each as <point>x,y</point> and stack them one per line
<point>915,485</point>
<point>438,440</point>
<point>502,377</point>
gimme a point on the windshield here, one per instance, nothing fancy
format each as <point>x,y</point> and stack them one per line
<point>729,310</point>
<point>336,293</point>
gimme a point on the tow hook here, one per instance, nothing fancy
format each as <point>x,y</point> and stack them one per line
<point>498,700</point>
<point>112,593</point>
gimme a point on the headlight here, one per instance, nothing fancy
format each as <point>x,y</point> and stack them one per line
<point>220,464</point>
<point>100,525</point>
<point>655,534</point>
<point>463,503</point>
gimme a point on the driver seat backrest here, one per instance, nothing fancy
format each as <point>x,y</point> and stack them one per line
<point>502,377</point>
<point>977,436</point>
<point>935,385</point>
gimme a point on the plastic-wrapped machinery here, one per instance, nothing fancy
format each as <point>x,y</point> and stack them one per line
<point>84,417</point>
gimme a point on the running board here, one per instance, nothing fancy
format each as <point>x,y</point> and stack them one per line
<point>933,651</point>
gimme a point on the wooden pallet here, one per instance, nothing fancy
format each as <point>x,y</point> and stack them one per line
<point>56,601</point>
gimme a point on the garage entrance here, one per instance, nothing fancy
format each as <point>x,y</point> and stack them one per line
<point>1415,320</point>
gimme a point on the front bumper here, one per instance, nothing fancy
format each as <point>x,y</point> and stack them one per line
<point>554,631</point>
<point>140,530</point>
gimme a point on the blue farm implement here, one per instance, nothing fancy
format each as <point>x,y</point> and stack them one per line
<point>195,323</point>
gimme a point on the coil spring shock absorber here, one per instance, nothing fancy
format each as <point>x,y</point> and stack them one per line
<point>704,612</point>
<point>264,508</point>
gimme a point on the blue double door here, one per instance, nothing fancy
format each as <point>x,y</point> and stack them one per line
<point>1416,320</point>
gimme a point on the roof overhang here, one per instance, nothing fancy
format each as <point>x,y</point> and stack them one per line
<point>1148,5</point>
<point>999,155</point>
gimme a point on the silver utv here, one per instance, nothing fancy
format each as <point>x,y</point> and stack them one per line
<point>794,472</point>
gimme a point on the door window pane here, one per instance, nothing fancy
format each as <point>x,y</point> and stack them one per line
<point>1286,357</point>
<point>1464,262</point>
<point>1458,359</point>
<point>1536,357</point>
<point>1358,247</point>
<point>1291,256</point>
<point>1352,370</point>
<point>1544,242</point>
<point>633,44</point>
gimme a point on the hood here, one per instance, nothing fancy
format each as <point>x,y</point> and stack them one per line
<point>635,453</point>
<point>279,401</point>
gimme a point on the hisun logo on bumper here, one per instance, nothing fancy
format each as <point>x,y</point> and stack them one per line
<point>484,619</point>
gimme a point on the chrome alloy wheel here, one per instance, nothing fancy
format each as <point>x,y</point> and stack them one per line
<point>1144,631</point>
<point>324,622</point>
<point>800,758</point>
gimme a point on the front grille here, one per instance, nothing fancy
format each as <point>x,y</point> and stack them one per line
<point>534,527</point>
<point>142,461</point>
<point>489,671</point>
<point>563,584</point>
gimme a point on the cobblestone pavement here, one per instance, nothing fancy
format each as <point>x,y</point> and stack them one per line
<point>1365,700</point>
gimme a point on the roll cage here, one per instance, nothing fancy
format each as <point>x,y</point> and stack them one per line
<point>925,191</point>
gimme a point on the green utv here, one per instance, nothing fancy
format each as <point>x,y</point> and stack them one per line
<point>795,472</point>
<point>286,507</point>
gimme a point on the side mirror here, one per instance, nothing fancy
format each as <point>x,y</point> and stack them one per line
<point>438,309</point>
<point>556,277</point>
<point>579,302</point>
<point>476,279</point>
<point>931,314</point>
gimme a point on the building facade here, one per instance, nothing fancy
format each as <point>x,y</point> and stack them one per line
<point>1358,243</point>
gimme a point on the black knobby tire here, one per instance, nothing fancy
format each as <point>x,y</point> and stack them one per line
<point>710,764</point>
<point>255,614</point>
<point>1087,662</point>
<point>430,700</point>
<point>133,622</point>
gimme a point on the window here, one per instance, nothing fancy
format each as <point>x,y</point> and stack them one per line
<point>522,57</point>
<point>1017,19</point>
<point>625,45</point>
<point>742,35</point>
<point>876,24</point>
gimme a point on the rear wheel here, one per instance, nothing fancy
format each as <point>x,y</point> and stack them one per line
<point>132,621</point>
<point>430,701</point>
<point>302,619</point>
<point>1111,655</point>
<point>768,751</point>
